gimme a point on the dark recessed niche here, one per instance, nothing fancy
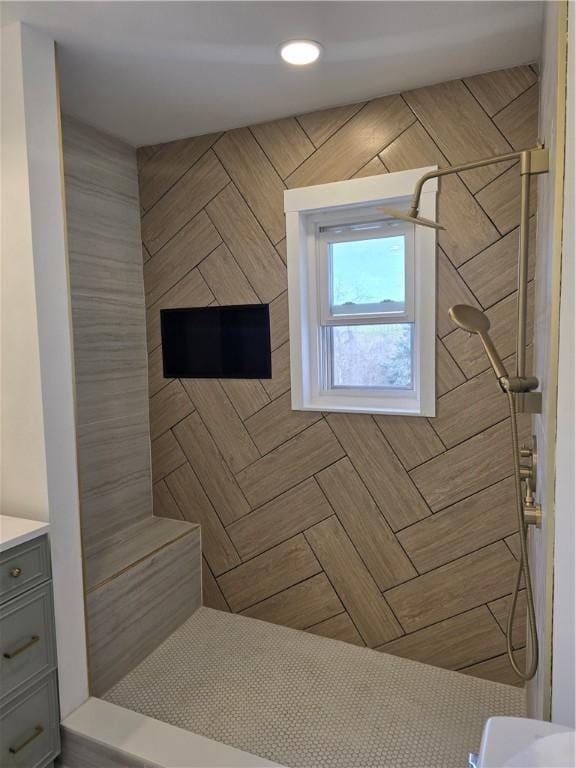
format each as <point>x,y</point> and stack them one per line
<point>216,342</point>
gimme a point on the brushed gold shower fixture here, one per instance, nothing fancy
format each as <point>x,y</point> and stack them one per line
<point>519,389</point>
<point>473,320</point>
<point>532,161</point>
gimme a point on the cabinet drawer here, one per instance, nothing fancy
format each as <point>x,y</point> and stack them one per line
<point>29,727</point>
<point>23,567</point>
<point>27,647</point>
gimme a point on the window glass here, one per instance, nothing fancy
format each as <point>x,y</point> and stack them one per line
<point>372,355</point>
<point>367,274</point>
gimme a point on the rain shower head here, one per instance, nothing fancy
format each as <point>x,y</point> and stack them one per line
<point>411,216</point>
<point>473,320</point>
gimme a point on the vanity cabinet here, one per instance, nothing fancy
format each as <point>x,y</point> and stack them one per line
<point>29,717</point>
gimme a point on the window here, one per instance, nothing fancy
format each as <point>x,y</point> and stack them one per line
<point>361,297</point>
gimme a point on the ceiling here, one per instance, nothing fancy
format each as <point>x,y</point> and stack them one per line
<point>149,72</point>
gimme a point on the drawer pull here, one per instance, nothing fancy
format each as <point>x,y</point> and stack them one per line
<point>38,731</point>
<point>15,572</point>
<point>11,654</point>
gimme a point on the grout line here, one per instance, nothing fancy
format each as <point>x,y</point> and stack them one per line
<point>151,306</point>
<point>535,84</point>
<point>342,106</point>
<point>346,610</point>
<point>189,168</point>
<point>152,255</point>
<point>512,149</point>
<point>252,211</point>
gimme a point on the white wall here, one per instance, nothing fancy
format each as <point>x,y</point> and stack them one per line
<point>546,337</point>
<point>23,482</point>
<point>39,465</point>
<point>564,619</point>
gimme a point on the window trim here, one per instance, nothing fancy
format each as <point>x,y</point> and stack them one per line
<point>305,208</point>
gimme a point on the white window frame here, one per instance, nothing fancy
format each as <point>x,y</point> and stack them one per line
<point>308,210</point>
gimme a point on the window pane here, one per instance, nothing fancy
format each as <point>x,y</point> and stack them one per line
<point>368,272</point>
<point>372,356</point>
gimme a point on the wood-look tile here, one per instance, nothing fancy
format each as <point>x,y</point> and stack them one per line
<point>353,582</point>
<point>471,408</point>
<point>109,356</point>
<point>290,513</point>
<point>285,143</point>
<point>181,254</point>
<point>167,408</point>
<point>519,120</point>
<point>412,438</point>
<point>114,472</point>
<point>381,471</point>
<point>145,255</point>
<point>513,544</point>
<point>501,200</point>
<point>280,381</point>
<point>183,201</point>
<point>104,247</point>
<point>248,243</point>
<point>453,643</point>
<point>290,464</point>
<point>415,149</point>
<point>460,128</point>
<point>212,597</point>
<point>495,90</point>
<point>168,164</point>
<point>99,160</point>
<point>266,575</point>
<point>191,291</point>
<point>279,326</point>
<point>225,278</point>
<point>373,168</point>
<point>163,502</point>
<point>143,154</point>
<point>132,544</point>
<point>246,395</point>
<point>156,380</point>
<point>256,178</point>
<point>340,627</point>
<point>458,530</point>
<point>321,125</point>
<point>365,525</point>
<point>299,606</point>
<point>448,375</point>
<point>277,423</point>
<point>451,290</point>
<point>129,616</point>
<point>493,274</point>
<point>497,669</point>
<point>466,469</point>
<point>469,352</point>
<point>166,455</point>
<point>440,594</point>
<point>196,507</point>
<point>281,249</point>
<point>211,469</point>
<point>223,423</point>
<point>501,608</point>
<point>366,134</point>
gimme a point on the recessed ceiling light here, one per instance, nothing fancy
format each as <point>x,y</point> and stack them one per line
<point>300,52</point>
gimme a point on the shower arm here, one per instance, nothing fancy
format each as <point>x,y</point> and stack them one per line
<point>532,161</point>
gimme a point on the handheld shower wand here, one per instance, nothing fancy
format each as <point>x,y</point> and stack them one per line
<point>474,321</point>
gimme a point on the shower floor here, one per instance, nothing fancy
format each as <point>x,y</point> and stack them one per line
<point>302,700</point>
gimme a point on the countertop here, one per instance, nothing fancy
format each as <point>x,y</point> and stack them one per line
<point>17,530</point>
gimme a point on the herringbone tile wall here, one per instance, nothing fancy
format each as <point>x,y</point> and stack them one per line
<point>391,532</point>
